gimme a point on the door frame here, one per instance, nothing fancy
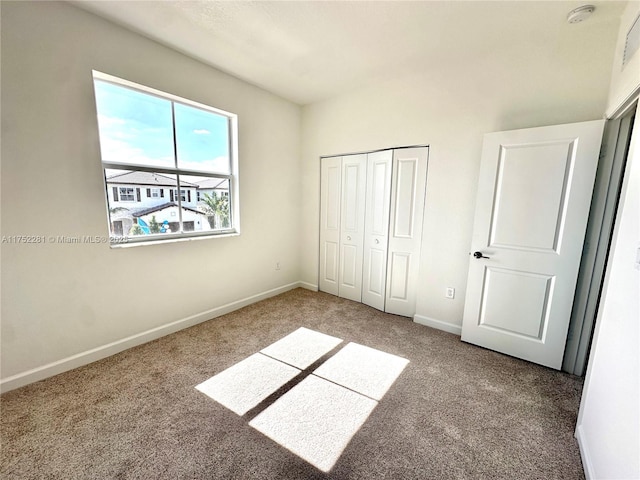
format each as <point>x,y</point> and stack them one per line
<point>602,217</point>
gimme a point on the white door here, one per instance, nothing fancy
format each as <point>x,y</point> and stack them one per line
<point>376,229</point>
<point>405,229</point>
<point>330,186</point>
<point>354,177</point>
<point>532,205</point>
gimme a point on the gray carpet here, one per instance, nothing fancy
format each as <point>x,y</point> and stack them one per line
<point>455,412</point>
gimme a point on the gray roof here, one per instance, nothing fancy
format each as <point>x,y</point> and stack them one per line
<point>151,179</point>
<point>157,208</point>
<point>212,182</point>
<point>148,179</point>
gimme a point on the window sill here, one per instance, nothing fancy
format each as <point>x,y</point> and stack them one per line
<point>140,243</point>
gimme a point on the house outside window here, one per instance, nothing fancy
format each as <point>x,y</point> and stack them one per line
<point>154,145</point>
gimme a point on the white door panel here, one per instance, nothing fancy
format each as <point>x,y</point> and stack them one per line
<point>331,187</point>
<point>405,232</point>
<point>350,257</point>
<point>531,192</point>
<point>331,262</point>
<point>354,177</point>
<point>405,197</point>
<point>533,201</point>
<point>379,168</point>
<point>399,265</point>
<point>534,291</point>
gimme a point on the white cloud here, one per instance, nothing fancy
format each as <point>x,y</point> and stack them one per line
<point>201,131</point>
<point>118,151</point>
<point>216,165</point>
<point>106,122</point>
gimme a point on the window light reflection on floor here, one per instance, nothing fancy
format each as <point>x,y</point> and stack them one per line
<point>244,385</point>
<point>316,419</point>
<point>302,347</point>
<point>319,416</point>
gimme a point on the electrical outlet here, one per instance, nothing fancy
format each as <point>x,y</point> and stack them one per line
<point>450,293</point>
<point>277,265</point>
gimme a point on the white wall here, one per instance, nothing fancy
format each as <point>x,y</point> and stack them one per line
<point>60,300</point>
<point>528,82</point>
<point>608,429</point>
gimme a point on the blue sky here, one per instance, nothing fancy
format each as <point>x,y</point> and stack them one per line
<point>136,128</point>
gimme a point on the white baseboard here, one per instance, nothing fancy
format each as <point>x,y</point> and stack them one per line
<point>309,286</point>
<point>438,324</point>
<point>89,356</point>
<point>584,454</point>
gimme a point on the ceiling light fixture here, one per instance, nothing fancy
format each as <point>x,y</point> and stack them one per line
<point>580,14</point>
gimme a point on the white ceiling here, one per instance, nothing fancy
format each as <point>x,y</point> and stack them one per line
<point>307,51</point>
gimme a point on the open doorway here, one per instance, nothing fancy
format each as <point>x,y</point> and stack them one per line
<point>602,217</point>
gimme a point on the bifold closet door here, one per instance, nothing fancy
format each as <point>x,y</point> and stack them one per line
<point>371,210</point>
<point>405,229</point>
<point>354,178</point>
<point>330,205</point>
<point>376,228</point>
<point>342,209</point>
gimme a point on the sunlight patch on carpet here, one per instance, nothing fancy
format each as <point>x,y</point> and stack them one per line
<point>244,385</point>
<point>302,347</point>
<point>363,369</point>
<point>315,420</point>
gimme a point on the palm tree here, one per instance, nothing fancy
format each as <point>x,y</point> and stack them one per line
<point>217,208</point>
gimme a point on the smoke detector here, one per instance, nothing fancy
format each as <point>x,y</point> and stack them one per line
<point>580,14</point>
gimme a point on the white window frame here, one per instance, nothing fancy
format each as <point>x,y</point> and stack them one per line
<point>183,195</point>
<point>121,195</point>
<point>232,177</point>
<point>155,192</point>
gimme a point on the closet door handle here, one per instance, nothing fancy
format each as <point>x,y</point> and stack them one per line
<point>348,238</point>
<point>377,241</point>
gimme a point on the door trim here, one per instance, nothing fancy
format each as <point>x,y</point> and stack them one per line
<point>424,145</point>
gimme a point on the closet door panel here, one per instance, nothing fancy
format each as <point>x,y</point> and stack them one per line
<point>376,234</point>
<point>330,205</point>
<point>399,276</point>
<point>354,171</point>
<point>350,257</point>
<point>405,233</point>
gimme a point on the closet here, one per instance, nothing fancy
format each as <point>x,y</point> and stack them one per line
<point>371,208</point>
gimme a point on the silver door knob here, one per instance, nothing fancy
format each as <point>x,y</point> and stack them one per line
<point>348,238</point>
<point>376,241</point>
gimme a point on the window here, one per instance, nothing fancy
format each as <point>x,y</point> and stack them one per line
<point>159,144</point>
<point>185,196</point>
<point>127,194</point>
